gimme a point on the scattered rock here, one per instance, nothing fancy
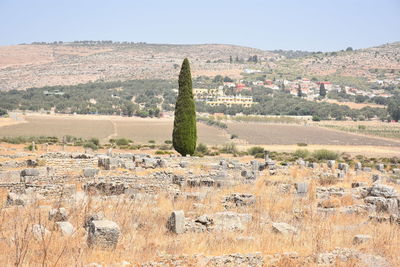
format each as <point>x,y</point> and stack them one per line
<point>283,228</point>
<point>176,222</point>
<point>90,172</point>
<point>103,234</point>
<point>239,200</point>
<point>359,239</point>
<point>39,231</point>
<point>65,228</point>
<point>58,215</point>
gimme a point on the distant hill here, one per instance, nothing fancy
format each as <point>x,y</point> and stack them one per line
<point>25,66</point>
<point>38,65</point>
<point>380,62</point>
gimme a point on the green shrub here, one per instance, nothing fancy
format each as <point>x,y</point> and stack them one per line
<point>301,144</point>
<point>259,155</point>
<point>324,154</point>
<point>301,153</point>
<point>94,140</point>
<point>122,142</point>
<point>31,147</point>
<point>316,118</point>
<point>168,142</point>
<point>90,145</point>
<point>29,139</point>
<point>165,147</point>
<point>229,149</point>
<point>151,142</point>
<point>256,150</point>
<point>234,136</point>
<point>202,148</point>
<point>362,127</point>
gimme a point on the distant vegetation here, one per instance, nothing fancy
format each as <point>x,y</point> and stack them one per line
<point>149,98</point>
<point>212,122</point>
<point>388,131</point>
<point>292,53</point>
<point>282,104</point>
<point>96,98</point>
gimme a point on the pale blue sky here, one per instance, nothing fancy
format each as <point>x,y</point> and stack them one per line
<point>315,25</point>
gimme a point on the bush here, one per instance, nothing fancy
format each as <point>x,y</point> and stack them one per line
<point>168,142</point>
<point>165,147</point>
<point>229,149</point>
<point>94,141</point>
<point>122,142</point>
<point>212,122</point>
<point>91,145</point>
<point>3,112</point>
<point>151,142</point>
<point>301,144</point>
<point>31,147</point>
<point>316,118</point>
<point>259,155</point>
<point>301,153</point>
<point>362,127</point>
<point>202,148</point>
<point>324,154</point>
<point>29,139</point>
<point>256,150</point>
<point>234,136</point>
<point>160,152</point>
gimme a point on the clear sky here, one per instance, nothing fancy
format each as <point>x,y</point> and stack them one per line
<point>314,25</point>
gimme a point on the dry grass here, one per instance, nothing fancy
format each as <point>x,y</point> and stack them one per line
<point>144,236</point>
<point>354,105</point>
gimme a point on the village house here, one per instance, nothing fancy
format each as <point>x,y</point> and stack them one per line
<point>245,101</point>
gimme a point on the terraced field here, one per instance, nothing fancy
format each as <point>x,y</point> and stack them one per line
<point>142,130</point>
<point>106,127</point>
<point>282,134</point>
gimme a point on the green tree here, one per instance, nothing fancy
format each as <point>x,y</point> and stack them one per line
<point>394,109</point>
<point>3,112</point>
<point>299,92</point>
<point>218,79</point>
<point>227,79</point>
<point>184,135</point>
<point>322,90</point>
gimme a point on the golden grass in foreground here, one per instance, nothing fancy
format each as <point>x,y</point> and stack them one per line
<point>144,236</point>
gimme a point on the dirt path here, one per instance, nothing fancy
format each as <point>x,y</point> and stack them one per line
<point>115,131</point>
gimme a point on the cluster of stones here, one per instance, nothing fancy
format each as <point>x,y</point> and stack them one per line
<point>114,175</point>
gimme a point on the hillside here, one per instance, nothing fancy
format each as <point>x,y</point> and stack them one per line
<point>380,62</point>
<point>38,65</point>
<point>25,66</point>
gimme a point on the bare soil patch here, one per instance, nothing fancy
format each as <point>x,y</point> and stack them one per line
<point>105,127</point>
<point>280,134</point>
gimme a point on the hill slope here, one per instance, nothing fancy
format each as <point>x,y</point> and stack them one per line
<point>24,66</point>
<point>370,63</point>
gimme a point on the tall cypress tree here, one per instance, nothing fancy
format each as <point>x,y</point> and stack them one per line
<point>184,135</point>
<point>299,92</point>
<point>322,90</point>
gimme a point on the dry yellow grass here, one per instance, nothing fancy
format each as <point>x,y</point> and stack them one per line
<point>144,237</point>
<point>353,105</point>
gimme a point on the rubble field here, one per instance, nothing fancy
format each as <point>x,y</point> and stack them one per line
<point>134,208</point>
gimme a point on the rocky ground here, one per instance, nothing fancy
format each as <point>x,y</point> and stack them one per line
<point>133,208</point>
